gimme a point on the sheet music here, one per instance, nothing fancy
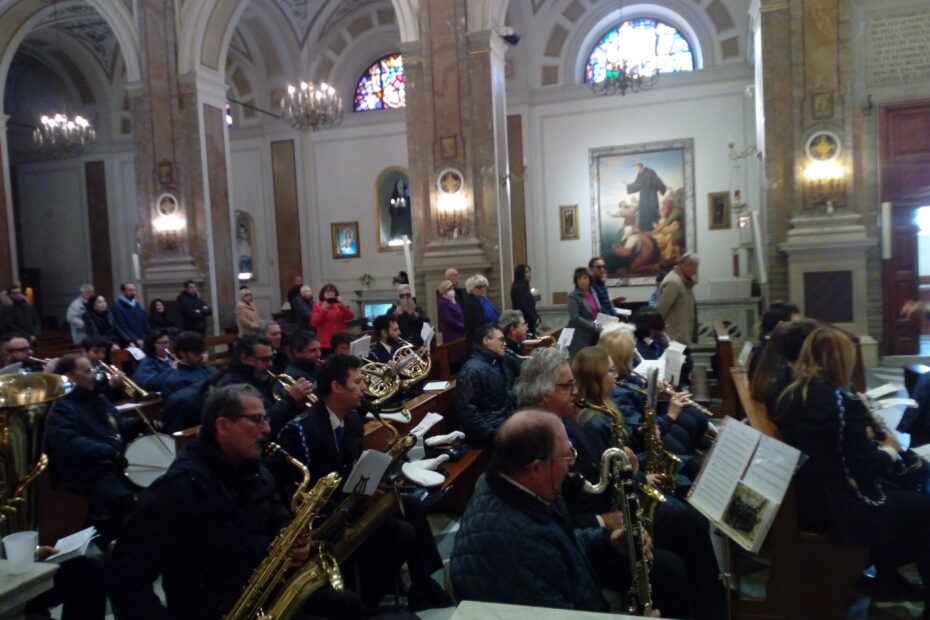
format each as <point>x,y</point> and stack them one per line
<point>73,546</point>
<point>367,473</point>
<point>360,346</point>
<point>606,319</point>
<point>743,360</point>
<point>565,338</point>
<point>884,390</point>
<point>427,333</point>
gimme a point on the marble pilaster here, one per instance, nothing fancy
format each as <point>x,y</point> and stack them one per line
<point>7,237</point>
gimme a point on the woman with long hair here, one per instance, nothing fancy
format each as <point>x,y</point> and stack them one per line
<point>842,489</point>
<point>521,295</point>
<point>159,320</point>
<point>98,321</point>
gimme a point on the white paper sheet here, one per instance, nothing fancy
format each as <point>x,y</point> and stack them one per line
<point>73,546</point>
<point>367,473</point>
<point>743,360</point>
<point>427,333</point>
<point>435,386</point>
<point>565,338</point>
<point>360,346</point>
<point>606,319</point>
<point>884,390</point>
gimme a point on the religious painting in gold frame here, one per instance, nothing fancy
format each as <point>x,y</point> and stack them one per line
<point>568,222</point>
<point>345,239</point>
<point>718,210</point>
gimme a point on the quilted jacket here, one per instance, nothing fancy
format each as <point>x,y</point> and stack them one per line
<point>513,548</point>
<point>485,395</point>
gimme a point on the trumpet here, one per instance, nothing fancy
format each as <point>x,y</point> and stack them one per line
<point>287,382</point>
<point>132,389</point>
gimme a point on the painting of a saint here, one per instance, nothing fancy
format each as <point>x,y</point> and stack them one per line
<point>642,226</point>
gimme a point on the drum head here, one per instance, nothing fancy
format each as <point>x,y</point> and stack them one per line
<point>149,457</point>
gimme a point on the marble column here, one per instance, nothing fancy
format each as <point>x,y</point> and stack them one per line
<point>457,138</point>
<point>7,237</point>
<point>181,149</point>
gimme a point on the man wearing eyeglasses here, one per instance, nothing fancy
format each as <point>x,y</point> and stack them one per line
<point>684,560</point>
<point>208,522</point>
<point>410,317</point>
<point>329,437</point>
<point>252,366</point>
<point>516,543</point>
<point>17,350</point>
<point>485,394</point>
<point>598,270</point>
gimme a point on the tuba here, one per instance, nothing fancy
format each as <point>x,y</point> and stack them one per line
<point>413,364</point>
<point>617,474</point>
<point>271,591</point>
<point>22,430</point>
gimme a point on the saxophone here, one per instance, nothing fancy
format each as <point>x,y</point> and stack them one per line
<point>618,433</point>
<point>658,459</point>
<point>272,593</point>
<point>343,537</point>
<point>617,472</point>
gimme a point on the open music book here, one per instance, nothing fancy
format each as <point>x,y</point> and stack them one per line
<point>743,482</point>
<point>73,546</point>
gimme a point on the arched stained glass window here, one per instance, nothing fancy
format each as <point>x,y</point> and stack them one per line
<point>382,85</point>
<point>645,44</point>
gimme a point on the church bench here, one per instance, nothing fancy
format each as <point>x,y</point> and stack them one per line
<point>810,578</point>
<point>219,349</point>
<point>59,513</point>
<point>447,358</point>
<point>51,351</point>
<point>725,361</point>
<point>912,373</point>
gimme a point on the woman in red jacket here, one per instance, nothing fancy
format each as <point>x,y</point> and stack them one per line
<point>329,316</point>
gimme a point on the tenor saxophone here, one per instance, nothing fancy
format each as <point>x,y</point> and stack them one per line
<point>617,474</point>
<point>272,591</point>
<point>343,537</point>
<point>658,459</point>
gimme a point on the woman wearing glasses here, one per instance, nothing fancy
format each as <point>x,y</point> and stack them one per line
<point>479,309</point>
<point>410,317</point>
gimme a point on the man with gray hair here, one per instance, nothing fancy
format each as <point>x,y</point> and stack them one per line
<point>514,327</point>
<point>302,306</point>
<point>452,275</point>
<point>410,317</point>
<point>207,523</point>
<point>273,332</point>
<point>676,300</point>
<point>76,310</point>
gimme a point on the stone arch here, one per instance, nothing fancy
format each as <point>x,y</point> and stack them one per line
<point>486,14</point>
<point>20,18</point>
<point>206,29</point>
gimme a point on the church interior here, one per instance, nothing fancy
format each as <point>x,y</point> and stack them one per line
<point>791,137</point>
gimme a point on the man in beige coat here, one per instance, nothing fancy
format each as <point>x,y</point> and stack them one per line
<point>676,300</point>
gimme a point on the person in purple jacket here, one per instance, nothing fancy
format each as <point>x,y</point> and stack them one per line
<point>451,317</point>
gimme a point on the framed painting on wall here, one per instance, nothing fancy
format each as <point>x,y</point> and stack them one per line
<point>642,207</point>
<point>568,222</point>
<point>392,209</point>
<point>718,210</point>
<point>345,239</point>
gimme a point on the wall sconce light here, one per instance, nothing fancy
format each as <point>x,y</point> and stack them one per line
<point>168,222</point>
<point>824,175</point>
<point>452,216</point>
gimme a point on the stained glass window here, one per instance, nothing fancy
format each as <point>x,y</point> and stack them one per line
<point>646,44</point>
<point>382,85</point>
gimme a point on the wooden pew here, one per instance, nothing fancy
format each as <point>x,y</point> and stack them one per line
<point>444,368</point>
<point>725,361</point>
<point>60,513</point>
<point>220,349</point>
<point>810,578</point>
<point>912,373</point>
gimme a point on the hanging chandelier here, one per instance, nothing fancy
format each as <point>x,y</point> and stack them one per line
<point>311,106</point>
<point>61,136</point>
<point>619,79</point>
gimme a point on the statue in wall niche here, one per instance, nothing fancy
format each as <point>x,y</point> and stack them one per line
<point>399,210</point>
<point>244,245</point>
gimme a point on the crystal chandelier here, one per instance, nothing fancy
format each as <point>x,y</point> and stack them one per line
<point>61,136</point>
<point>623,78</point>
<point>311,106</point>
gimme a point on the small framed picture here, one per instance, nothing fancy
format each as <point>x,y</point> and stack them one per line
<point>718,209</point>
<point>568,222</point>
<point>345,240</point>
<point>822,106</point>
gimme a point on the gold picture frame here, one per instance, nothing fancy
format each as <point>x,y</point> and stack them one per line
<point>718,210</point>
<point>568,222</point>
<point>345,240</point>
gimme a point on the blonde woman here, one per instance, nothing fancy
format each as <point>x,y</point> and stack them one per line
<point>247,317</point>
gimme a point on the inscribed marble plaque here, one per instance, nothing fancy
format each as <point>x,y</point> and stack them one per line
<point>898,47</point>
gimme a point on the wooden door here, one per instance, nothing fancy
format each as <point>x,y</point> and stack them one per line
<point>904,137</point>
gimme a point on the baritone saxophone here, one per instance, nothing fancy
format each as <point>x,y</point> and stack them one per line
<point>274,591</point>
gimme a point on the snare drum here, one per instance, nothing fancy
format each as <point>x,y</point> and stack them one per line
<point>149,457</point>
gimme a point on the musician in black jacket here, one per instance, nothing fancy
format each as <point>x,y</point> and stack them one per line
<point>254,357</point>
<point>207,523</point>
<point>86,440</point>
<point>329,437</point>
<point>387,331</point>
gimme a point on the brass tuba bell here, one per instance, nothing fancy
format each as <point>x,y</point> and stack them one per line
<point>22,430</point>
